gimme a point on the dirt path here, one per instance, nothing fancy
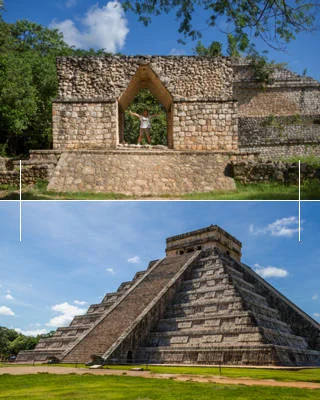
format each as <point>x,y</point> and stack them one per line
<point>23,370</point>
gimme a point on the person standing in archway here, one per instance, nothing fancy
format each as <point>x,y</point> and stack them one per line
<point>145,124</point>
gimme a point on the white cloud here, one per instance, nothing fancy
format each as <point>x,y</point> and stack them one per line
<point>6,311</point>
<point>270,272</point>
<point>286,227</point>
<point>111,271</point>
<point>102,28</point>
<point>315,296</point>
<point>66,313</point>
<point>316,314</point>
<point>134,260</point>
<point>80,302</point>
<point>8,296</point>
<point>177,52</point>
<point>31,332</point>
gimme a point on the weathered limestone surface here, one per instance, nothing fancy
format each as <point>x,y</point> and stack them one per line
<point>141,172</point>
<point>280,119</point>
<point>205,126</point>
<point>272,171</point>
<point>198,305</point>
<point>108,77</point>
<point>94,92</point>
<point>40,165</point>
<point>287,94</point>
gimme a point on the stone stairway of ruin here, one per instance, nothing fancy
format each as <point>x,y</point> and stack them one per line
<point>86,334</point>
<point>118,320</point>
<point>65,337</point>
<point>218,316</point>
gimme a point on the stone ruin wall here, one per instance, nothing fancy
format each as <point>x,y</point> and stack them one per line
<point>208,96</point>
<point>40,166</point>
<point>141,172</point>
<point>85,115</point>
<point>203,126</point>
<point>278,120</point>
<point>84,124</point>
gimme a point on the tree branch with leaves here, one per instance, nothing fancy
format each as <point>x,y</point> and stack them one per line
<point>276,22</point>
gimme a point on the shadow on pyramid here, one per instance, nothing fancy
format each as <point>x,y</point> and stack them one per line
<point>198,305</point>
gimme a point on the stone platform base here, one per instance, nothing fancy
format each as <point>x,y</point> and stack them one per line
<point>252,355</point>
<point>141,172</point>
<point>29,356</point>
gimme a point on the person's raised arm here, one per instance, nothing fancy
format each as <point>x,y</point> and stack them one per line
<point>134,114</point>
<point>154,115</point>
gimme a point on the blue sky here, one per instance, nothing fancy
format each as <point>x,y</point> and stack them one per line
<point>99,24</point>
<point>72,253</point>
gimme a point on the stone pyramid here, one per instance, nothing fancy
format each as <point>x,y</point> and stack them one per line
<point>198,305</point>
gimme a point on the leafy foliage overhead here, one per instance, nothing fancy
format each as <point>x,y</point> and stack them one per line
<point>274,21</point>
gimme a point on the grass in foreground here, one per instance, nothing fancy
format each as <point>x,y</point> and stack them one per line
<point>86,387</point>
<point>302,375</point>
<point>264,191</point>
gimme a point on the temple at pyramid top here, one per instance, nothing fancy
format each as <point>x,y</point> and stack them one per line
<point>198,305</point>
<point>212,236</point>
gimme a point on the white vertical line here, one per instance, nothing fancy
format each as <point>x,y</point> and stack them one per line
<point>20,203</point>
<point>299,203</point>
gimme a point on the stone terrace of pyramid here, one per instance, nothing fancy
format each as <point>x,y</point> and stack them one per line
<point>198,305</point>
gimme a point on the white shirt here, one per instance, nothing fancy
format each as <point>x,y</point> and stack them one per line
<point>145,122</point>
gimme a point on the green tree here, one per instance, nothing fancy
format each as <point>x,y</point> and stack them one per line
<point>22,342</point>
<point>214,50</point>
<point>274,21</point>
<point>28,83</point>
<point>234,47</point>
<point>146,101</point>
<point>6,337</point>
<point>11,342</point>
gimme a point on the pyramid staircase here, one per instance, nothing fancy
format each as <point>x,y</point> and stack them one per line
<point>198,305</point>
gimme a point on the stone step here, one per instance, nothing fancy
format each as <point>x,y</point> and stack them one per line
<point>85,319</point>
<point>234,272</point>
<point>205,289</point>
<point>207,309</point>
<point>239,282</point>
<point>55,343</point>
<point>205,317</point>
<point>284,339</point>
<point>99,308</point>
<point>210,281</point>
<point>38,355</point>
<point>110,297</point>
<point>69,332</point>
<point>262,309</point>
<point>195,331</point>
<point>255,354</point>
<point>195,295</point>
<point>275,324</point>
<point>252,296</point>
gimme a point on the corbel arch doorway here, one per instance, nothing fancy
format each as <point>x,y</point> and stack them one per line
<point>145,78</point>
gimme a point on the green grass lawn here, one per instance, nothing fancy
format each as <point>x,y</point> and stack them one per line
<point>86,387</point>
<point>305,375</point>
<point>263,191</point>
